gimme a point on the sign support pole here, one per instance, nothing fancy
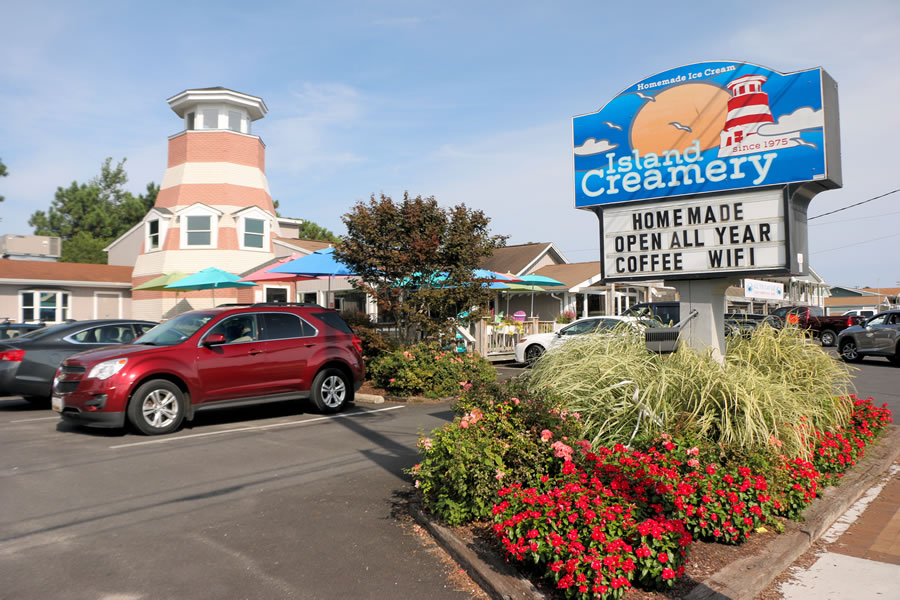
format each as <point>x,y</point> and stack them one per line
<point>706,332</point>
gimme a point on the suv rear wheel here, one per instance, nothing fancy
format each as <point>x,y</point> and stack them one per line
<point>331,390</point>
<point>157,407</point>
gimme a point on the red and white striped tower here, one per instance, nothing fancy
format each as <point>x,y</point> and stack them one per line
<point>214,208</point>
<point>748,108</point>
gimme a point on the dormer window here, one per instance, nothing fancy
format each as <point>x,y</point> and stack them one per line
<point>234,120</point>
<point>199,231</point>
<point>189,121</point>
<point>254,233</point>
<point>199,226</point>
<point>254,227</point>
<point>153,235</point>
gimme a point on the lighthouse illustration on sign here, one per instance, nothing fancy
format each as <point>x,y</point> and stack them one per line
<point>746,130</point>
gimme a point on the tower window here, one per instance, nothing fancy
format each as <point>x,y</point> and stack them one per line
<point>234,120</point>
<point>210,119</point>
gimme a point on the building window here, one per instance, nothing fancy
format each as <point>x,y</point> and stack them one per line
<point>234,120</point>
<point>153,235</point>
<point>254,233</point>
<point>49,307</point>
<point>199,230</point>
<point>210,119</point>
<point>189,121</point>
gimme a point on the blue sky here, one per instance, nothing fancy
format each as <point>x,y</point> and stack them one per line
<point>468,101</point>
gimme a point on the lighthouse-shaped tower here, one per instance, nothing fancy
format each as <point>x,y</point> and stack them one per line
<point>214,208</point>
<point>748,108</point>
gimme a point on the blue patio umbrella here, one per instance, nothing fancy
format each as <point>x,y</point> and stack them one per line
<point>320,263</point>
<point>209,279</point>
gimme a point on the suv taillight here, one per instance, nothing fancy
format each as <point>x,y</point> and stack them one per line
<point>357,343</point>
<point>12,355</point>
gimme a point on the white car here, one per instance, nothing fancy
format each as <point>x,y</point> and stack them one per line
<point>533,346</point>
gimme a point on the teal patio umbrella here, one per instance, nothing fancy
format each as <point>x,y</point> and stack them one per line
<point>209,279</point>
<point>536,282</point>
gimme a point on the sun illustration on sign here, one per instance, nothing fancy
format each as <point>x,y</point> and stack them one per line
<point>679,115</point>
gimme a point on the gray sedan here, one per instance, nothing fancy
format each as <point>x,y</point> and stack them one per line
<point>878,336</point>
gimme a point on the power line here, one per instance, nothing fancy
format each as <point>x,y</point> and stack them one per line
<point>841,222</point>
<point>857,243</point>
<point>857,204</point>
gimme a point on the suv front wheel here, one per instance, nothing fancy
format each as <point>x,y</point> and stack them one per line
<point>157,407</point>
<point>331,390</point>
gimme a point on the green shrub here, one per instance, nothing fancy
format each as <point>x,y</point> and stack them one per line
<point>428,370</point>
<point>774,385</point>
<point>498,436</point>
<point>374,343</point>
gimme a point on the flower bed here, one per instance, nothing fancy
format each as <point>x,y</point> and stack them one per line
<point>595,522</point>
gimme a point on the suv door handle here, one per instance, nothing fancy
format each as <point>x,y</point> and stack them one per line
<point>254,352</point>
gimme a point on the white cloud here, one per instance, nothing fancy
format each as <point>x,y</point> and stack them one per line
<point>592,146</point>
<point>799,120</point>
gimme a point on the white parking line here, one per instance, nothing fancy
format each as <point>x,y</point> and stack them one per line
<point>240,429</point>
<point>35,419</point>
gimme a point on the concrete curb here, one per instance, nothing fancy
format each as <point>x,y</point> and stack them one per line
<point>740,580</point>
<point>745,578</point>
<point>497,578</point>
<point>368,398</point>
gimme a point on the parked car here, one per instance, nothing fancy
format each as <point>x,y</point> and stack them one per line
<point>813,319</point>
<point>10,330</point>
<point>878,336</point>
<point>530,348</point>
<point>865,313</point>
<point>742,323</point>
<point>29,362</point>
<point>221,357</point>
<point>667,313</point>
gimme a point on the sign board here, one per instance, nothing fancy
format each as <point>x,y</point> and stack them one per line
<point>763,290</point>
<point>700,237</point>
<point>708,127</point>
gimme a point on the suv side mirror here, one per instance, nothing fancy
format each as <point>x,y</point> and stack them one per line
<point>214,339</point>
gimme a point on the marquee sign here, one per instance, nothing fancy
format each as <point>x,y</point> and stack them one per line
<point>708,127</point>
<point>701,237</point>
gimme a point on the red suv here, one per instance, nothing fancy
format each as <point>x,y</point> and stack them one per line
<point>222,357</point>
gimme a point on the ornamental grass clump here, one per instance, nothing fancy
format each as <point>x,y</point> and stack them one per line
<point>428,370</point>
<point>774,385</point>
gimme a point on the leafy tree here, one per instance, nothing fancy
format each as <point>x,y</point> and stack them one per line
<point>417,260</point>
<point>312,231</point>
<point>89,216</point>
<point>3,173</point>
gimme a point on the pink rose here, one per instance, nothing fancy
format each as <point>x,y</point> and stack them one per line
<point>546,435</point>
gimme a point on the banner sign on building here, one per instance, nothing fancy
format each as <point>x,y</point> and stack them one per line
<point>704,237</point>
<point>763,290</point>
<point>708,127</point>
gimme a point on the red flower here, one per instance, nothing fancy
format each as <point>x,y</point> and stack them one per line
<point>668,573</point>
<point>663,557</point>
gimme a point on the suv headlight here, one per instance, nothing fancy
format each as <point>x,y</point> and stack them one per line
<point>107,369</point>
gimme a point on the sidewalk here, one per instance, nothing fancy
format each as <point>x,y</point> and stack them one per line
<point>859,556</point>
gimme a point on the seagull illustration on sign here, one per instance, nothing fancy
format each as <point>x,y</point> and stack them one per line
<point>644,96</point>
<point>801,142</point>
<point>612,125</point>
<point>678,125</point>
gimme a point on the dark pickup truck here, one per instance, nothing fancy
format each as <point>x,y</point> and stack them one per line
<point>813,319</point>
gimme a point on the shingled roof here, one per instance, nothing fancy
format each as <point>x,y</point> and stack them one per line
<point>36,270</point>
<point>518,259</point>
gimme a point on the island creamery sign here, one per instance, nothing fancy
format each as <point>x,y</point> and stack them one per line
<point>707,170</point>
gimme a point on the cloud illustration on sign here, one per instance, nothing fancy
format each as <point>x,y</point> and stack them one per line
<point>592,146</point>
<point>799,120</point>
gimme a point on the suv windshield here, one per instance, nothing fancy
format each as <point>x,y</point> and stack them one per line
<point>175,331</point>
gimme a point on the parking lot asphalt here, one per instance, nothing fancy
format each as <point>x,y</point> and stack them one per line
<point>265,502</point>
<point>270,501</point>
